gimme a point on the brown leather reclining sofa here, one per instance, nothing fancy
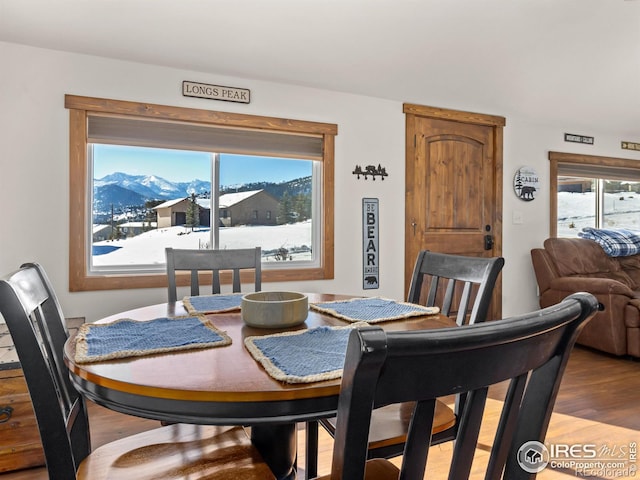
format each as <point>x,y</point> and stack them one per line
<point>568,265</point>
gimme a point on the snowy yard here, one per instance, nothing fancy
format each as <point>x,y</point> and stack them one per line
<point>622,210</point>
<point>148,248</point>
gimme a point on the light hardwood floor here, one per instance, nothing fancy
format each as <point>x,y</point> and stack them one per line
<point>598,403</point>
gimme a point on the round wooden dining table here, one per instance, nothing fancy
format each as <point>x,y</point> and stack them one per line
<point>222,385</point>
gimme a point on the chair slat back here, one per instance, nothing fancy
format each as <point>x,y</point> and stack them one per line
<point>459,285</point>
<point>35,321</point>
<point>213,262</point>
<point>529,351</point>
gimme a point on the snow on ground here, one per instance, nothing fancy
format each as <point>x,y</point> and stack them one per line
<point>622,210</point>
<point>148,248</point>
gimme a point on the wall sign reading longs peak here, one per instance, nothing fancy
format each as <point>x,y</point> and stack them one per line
<point>216,92</point>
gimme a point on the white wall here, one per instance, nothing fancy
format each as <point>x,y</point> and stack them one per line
<point>34,169</point>
<point>529,144</point>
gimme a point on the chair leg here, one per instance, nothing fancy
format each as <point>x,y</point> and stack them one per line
<point>311,453</point>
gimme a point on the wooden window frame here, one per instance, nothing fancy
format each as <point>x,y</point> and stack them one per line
<point>560,158</point>
<point>79,110</point>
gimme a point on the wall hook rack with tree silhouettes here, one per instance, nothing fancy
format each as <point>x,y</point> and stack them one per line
<point>370,171</point>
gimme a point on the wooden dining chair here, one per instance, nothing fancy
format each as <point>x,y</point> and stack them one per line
<point>462,287</point>
<point>213,261</point>
<point>36,324</point>
<point>528,352</point>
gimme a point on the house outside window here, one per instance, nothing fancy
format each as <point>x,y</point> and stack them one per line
<point>592,191</point>
<point>210,199</point>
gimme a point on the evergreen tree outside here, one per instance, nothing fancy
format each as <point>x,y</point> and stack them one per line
<point>293,208</point>
<point>150,214</point>
<point>193,213</point>
<point>285,211</point>
<point>302,207</point>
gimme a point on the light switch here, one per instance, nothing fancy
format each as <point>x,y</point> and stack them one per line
<point>517,217</point>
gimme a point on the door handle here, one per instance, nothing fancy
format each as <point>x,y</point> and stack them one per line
<point>488,242</point>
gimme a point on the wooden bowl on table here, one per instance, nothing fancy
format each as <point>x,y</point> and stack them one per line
<point>274,309</point>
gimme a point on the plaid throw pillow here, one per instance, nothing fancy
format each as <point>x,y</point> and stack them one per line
<point>615,243</point>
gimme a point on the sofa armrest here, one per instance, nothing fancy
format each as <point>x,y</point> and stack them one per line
<point>543,268</point>
<point>592,285</point>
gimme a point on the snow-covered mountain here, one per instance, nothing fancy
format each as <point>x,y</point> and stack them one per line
<point>113,196</point>
<point>152,187</point>
<point>120,192</point>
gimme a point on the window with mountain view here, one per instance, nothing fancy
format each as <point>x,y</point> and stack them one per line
<point>145,177</point>
<point>146,199</point>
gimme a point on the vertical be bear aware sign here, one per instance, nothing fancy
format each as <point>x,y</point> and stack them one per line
<point>370,252</point>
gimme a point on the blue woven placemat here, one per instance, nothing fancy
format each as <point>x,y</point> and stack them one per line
<point>372,310</point>
<point>212,303</point>
<point>131,338</point>
<point>302,356</point>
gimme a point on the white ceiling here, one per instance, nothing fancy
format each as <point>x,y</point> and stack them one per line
<point>575,63</point>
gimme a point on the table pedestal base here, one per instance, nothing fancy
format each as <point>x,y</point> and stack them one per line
<point>278,445</point>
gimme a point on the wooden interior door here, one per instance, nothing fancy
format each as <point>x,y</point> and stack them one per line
<point>453,186</point>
